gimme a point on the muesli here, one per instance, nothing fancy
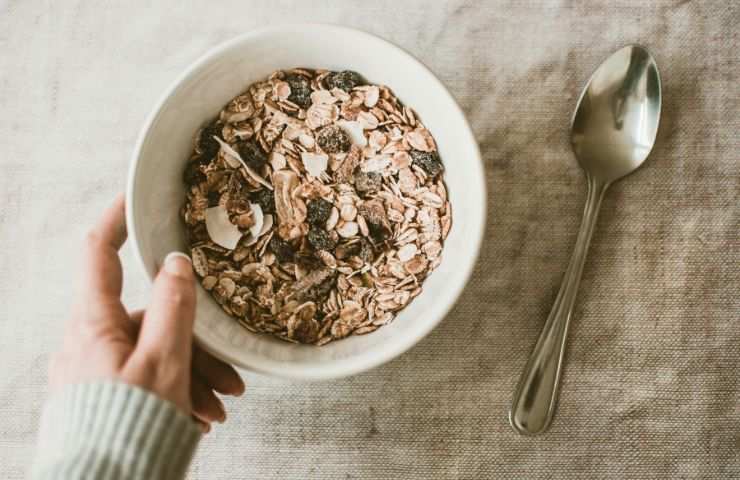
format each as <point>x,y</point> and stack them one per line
<point>315,206</point>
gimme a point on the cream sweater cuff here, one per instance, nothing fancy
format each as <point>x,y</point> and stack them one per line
<point>113,430</point>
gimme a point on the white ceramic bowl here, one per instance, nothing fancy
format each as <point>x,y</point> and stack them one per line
<point>155,190</point>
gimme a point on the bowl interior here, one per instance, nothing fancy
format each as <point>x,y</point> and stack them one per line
<point>156,191</point>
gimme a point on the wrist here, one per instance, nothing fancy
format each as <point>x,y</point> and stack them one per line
<point>112,428</point>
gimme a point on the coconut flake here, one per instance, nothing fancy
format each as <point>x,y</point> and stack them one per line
<point>315,163</point>
<point>267,224</point>
<point>376,163</point>
<point>355,132</point>
<point>220,228</point>
<point>259,219</point>
<point>372,94</point>
<point>230,152</point>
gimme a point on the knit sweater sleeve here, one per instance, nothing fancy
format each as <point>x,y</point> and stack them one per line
<point>110,430</point>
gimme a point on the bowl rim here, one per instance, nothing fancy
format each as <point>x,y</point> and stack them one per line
<point>360,363</point>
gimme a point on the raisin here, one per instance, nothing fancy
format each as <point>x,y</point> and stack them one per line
<point>366,251</point>
<point>308,261</point>
<point>193,175</point>
<point>300,90</point>
<point>320,239</point>
<point>346,80</point>
<point>427,161</point>
<point>252,154</point>
<point>332,139</point>
<point>208,145</point>
<point>363,249</point>
<point>367,182</point>
<point>213,198</point>
<point>282,249</point>
<point>265,199</point>
<point>315,286</point>
<point>198,234</point>
<point>318,211</point>
<point>377,223</point>
<point>238,198</point>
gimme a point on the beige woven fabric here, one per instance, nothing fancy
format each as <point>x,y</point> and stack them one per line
<point>651,387</point>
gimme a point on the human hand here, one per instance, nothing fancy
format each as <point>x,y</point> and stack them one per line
<point>153,349</point>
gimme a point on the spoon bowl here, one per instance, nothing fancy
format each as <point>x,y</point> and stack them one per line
<point>616,119</point>
<point>612,132</point>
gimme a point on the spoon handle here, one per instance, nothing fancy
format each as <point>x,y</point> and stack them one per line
<point>534,401</point>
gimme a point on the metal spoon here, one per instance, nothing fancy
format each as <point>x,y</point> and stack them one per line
<point>612,133</point>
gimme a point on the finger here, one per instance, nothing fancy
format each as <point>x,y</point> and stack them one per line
<point>204,426</point>
<point>103,276</point>
<point>167,327</point>
<point>206,405</point>
<point>137,316</point>
<point>220,376</point>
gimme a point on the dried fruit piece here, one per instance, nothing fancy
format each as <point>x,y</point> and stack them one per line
<point>252,154</point>
<point>300,89</point>
<point>427,161</point>
<point>367,183</point>
<point>333,139</point>
<point>374,214</point>
<point>320,239</point>
<point>235,160</point>
<point>265,199</point>
<point>207,146</point>
<point>362,249</point>
<point>213,198</point>
<point>318,211</point>
<point>345,80</point>
<point>315,286</point>
<point>193,174</point>
<point>283,250</point>
<point>367,252</point>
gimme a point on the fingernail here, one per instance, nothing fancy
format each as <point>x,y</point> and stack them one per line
<point>223,413</point>
<point>178,264</point>
<point>205,427</point>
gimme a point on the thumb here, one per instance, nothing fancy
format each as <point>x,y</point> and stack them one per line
<point>167,327</point>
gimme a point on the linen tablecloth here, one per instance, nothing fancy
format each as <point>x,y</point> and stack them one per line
<point>651,384</point>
